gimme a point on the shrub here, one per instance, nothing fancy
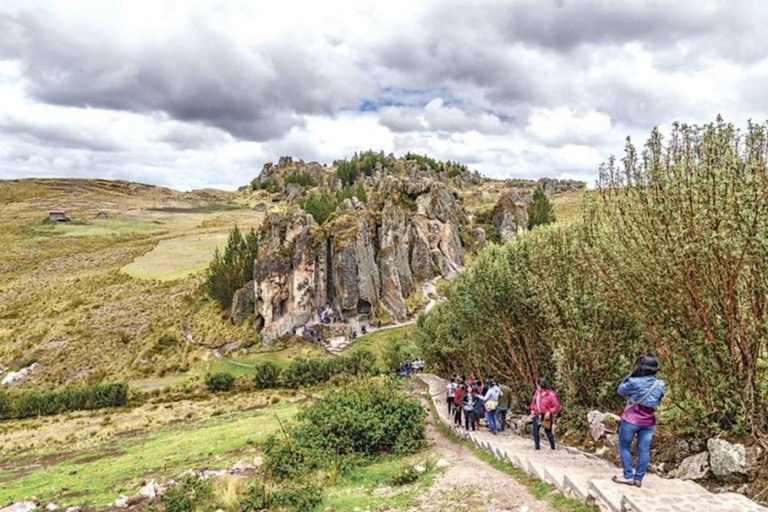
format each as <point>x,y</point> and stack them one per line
<point>231,270</point>
<point>303,178</point>
<point>220,381</point>
<point>266,375</point>
<point>33,403</point>
<point>304,372</point>
<point>670,257</point>
<point>406,476</point>
<point>298,497</point>
<point>362,420</point>
<point>319,204</point>
<point>192,494</point>
<point>540,209</point>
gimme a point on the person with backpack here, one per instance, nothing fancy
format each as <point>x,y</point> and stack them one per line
<point>643,392</point>
<point>544,406</point>
<point>450,393</point>
<point>469,403</point>
<point>458,399</point>
<point>491,401</point>
<point>505,402</point>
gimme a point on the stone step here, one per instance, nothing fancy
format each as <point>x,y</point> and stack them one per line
<point>587,477</point>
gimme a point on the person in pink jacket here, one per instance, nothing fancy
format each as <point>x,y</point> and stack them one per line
<point>544,406</point>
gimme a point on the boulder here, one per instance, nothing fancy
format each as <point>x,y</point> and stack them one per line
<point>121,502</point>
<point>509,216</point>
<point>693,467</point>
<point>149,490</point>
<point>242,303</point>
<point>23,506</point>
<point>601,424</point>
<point>442,463</point>
<point>52,506</point>
<point>727,461</point>
<point>519,424</point>
<point>242,466</point>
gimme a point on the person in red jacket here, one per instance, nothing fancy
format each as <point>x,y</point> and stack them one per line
<point>457,399</point>
<point>544,407</point>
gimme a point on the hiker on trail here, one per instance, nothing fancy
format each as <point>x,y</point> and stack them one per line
<point>505,402</point>
<point>450,393</point>
<point>643,392</point>
<point>458,399</point>
<point>479,410</point>
<point>407,366</point>
<point>544,406</point>
<point>469,404</point>
<point>491,401</point>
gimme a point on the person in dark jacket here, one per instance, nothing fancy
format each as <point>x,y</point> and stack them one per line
<point>643,392</point>
<point>469,401</point>
<point>505,402</point>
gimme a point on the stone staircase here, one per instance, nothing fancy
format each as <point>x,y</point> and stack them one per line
<point>587,477</point>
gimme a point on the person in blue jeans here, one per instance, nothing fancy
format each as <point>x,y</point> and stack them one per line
<point>643,392</point>
<point>491,401</point>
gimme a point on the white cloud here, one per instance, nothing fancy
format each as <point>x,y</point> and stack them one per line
<point>197,93</point>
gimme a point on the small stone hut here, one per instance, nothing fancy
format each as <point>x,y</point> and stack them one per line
<point>57,216</point>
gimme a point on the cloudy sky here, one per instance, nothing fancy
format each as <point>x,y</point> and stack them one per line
<point>202,94</point>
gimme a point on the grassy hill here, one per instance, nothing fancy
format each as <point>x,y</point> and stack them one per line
<point>110,296</point>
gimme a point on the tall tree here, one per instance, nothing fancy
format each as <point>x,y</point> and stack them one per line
<point>231,270</point>
<point>540,210</point>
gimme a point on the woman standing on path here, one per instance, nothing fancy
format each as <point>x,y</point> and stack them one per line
<point>643,392</point>
<point>544,406</point>
<point>491,401</point>
<point>458,398</point>
<point>469,401</point>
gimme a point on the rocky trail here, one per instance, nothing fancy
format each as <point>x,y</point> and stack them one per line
<point>588,478</point>
<point>470,484</point>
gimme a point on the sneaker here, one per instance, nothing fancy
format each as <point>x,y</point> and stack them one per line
<point>622,480</point>
<point>638,483</point>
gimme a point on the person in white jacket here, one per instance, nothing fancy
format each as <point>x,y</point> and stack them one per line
<point>491,400</point>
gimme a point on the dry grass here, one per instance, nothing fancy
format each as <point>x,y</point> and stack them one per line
<point>64,301</point>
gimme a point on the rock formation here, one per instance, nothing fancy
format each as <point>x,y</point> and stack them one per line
<point>365,260</point>
<point>510,215</point>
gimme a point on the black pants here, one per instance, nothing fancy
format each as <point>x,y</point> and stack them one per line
<point>501,419</point>
<point>469,419</point>
<point>449,399</point>
<point>536,431</point>
<point>457,415</point>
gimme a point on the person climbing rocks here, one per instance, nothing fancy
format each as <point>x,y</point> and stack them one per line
<point>643,392</point>
<point>458,398</point>
<point>544,407</point>
<point>491,401</point>
<point>450,392</point>
<point>505,402</point>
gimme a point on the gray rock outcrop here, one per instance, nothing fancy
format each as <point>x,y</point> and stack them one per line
<point>510,215</point>
<point>365,260</point>
<point>601,424</point>
<point>726,460</point>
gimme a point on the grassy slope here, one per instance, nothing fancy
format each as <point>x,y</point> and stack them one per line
<point>65,299</point>
<point>93,456</point>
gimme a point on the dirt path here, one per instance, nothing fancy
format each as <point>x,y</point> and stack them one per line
<point>470,484</point>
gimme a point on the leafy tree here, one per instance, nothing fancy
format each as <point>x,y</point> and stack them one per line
<point>540,210</point>
<point>230,271</point>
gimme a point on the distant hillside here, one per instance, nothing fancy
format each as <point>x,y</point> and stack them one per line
<point>115,293</point>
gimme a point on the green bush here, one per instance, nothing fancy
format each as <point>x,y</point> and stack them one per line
<point>220,381</point>
<point>266,375</point>
<point>293,497</point>
<point>406,476</point>
<point>308,372</point>
<point>304,372</point>
<point>33,403</point>
<point>319,204</point>
<point>669,258</point>
<point>540,209</point>
<point>271,185</point>
<point>192,494</point>
<point>231,270</point>
<point>303,178</point>
<point>362,420</point>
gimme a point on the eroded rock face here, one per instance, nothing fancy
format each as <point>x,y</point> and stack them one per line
<point>510,215</point>
<point>693,467</point>
<point>366,259</point>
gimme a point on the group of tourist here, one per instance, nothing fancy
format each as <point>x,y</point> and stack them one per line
<point>476,398</point>
<point>408,367</point>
